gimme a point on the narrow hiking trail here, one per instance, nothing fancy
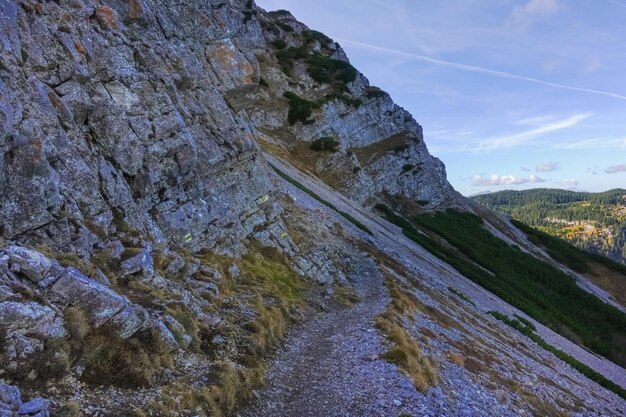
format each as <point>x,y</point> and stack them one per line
<point>390,239</point>
<point>330,365</point>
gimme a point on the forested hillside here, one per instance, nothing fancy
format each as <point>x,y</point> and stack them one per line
<point>595,222</point>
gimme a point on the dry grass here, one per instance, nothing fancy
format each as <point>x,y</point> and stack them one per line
<point>77,324</point>
<point>405,351</point>
<point>128,363</point>
<point>346,296</point>
<point>609,280</point>
<point>456,359</point>
<point>538,406</point>
<point>395,143</point>
<point>229,385</point>
<point>71,409</point>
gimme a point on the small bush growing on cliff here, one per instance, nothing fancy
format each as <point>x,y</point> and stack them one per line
<point>314,35</point>
<point>279,44</point>
<point>325,144</point>
<point>287,56</point>
<point>407,167</point>
<point>326,70</point>
<point>300,109</point>
<point>374,92</point>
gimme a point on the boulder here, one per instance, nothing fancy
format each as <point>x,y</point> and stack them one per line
<point>30,263</point>
<point>34,407</point>
<point>142,262</point>
<point>10,396</point>
<point>97,299</point>
<point>129,320</point>
<point>31,318</point>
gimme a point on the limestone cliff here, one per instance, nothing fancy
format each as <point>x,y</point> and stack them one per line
<point>309,91</point>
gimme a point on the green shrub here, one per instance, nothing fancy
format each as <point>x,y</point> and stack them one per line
<point>300,109</point>
<point>270,27</point>
<point>247,15</point>
<point>313,35</point>
<point>327,70</point>
<point>407,168</point>
<point>279,44</point>
<point>284,26</point>
<point>461,295</point>
<point>374,92</point>
<point>287,56</point>
<point>325,144</point>
<point>347,99</point>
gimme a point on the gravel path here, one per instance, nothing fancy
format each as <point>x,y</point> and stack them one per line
<point>391,240</point>
<point>330,365</point>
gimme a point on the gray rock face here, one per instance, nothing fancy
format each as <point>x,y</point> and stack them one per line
<point>141,262</point>
<point>382,150</point>
<point>124,114</point>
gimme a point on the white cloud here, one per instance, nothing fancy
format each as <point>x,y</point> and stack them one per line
<point>495,180</point>
<point>570,182</point>
<point>614,169</point>
<point>547,167</point>
<point>518,138</point>
<point>524,14</point>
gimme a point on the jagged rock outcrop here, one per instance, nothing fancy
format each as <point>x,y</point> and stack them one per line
<point>113,117</point>
<point>381,151</point>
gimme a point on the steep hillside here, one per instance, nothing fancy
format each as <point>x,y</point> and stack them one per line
<point>186,213</point>
<point>595,222</point>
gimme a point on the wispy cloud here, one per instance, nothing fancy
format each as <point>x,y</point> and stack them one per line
<point>525,169</point>
<point>618,3</point>
<point>518,138</point>
<point>523,14</point>
<point>496,180</point>
<point>614,169</point>
<point>570,182</point>
<point>547,167</point>
<point>593,143</point>
<point>473,68</point>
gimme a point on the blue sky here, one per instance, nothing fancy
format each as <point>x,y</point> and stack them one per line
<point>512,94</point>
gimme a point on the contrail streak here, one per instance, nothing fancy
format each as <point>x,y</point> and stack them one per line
<point>618,3</point>
<point>472,68</point>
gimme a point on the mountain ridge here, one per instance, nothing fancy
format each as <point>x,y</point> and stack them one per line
<point>592,221</point>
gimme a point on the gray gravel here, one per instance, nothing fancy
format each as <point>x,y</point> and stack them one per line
<point>330,365</point>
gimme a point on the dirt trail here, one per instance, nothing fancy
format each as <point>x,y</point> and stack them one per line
<point>319,371</point>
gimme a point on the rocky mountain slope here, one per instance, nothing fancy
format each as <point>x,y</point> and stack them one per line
<point>595,222</point>
<point>182,183</point>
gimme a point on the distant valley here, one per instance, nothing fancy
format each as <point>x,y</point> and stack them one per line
<point>595,222</point>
